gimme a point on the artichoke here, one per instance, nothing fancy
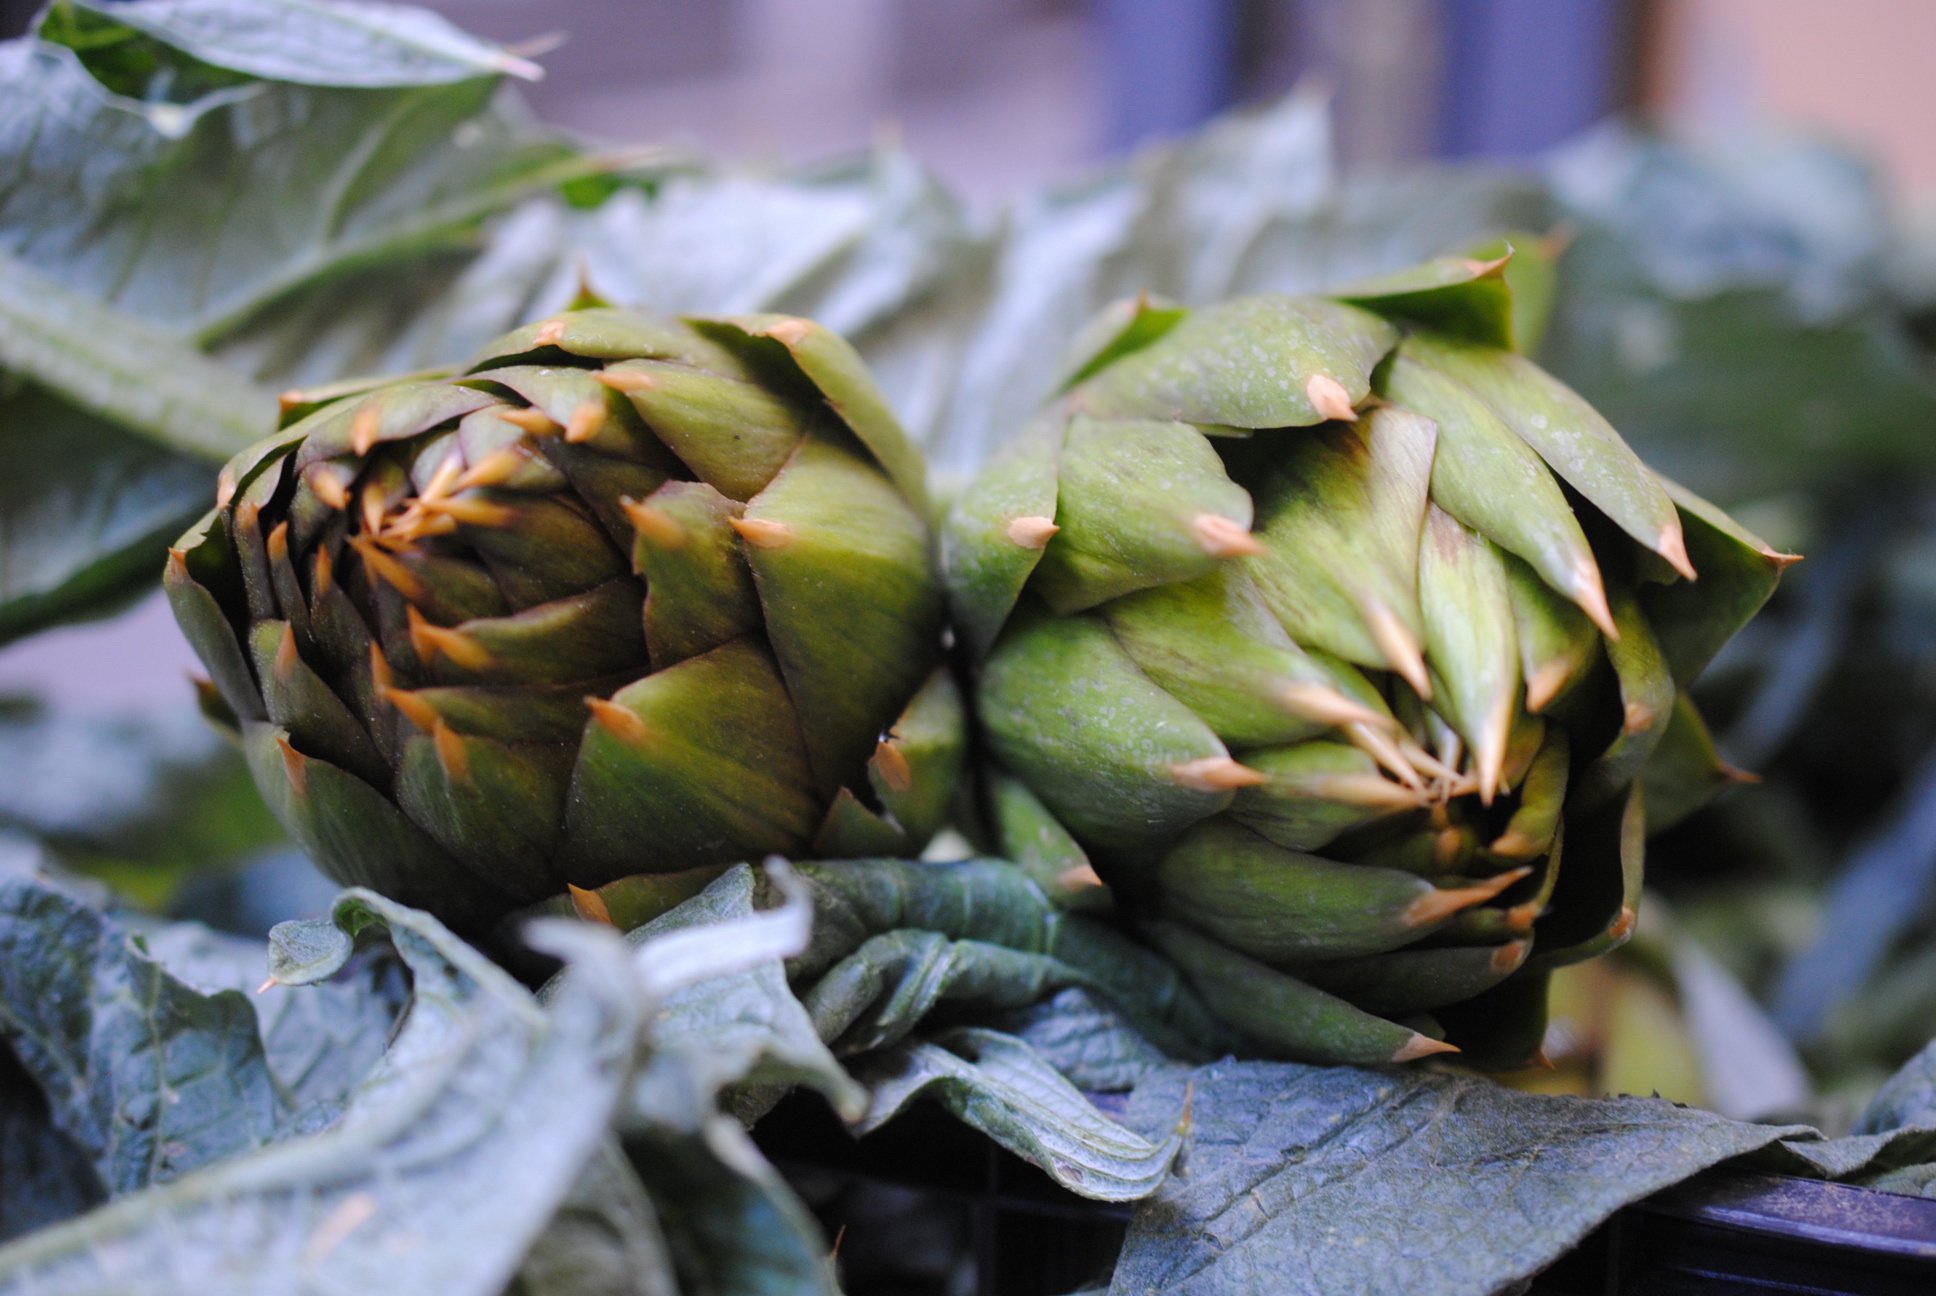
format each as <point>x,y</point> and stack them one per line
<point>1339,639</point>
<point>628,596</point>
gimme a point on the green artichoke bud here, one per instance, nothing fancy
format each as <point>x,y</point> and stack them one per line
<point>630,596</point>
<point>1337,636</point>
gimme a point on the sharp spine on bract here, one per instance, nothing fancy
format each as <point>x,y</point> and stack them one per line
<point>1422,1046</point>
<point>587,421</point>
<point>893,765</point>
<point>621,722</point>
<point>432,641</point>
<point>1223,538</point>
<point>389,570</point>
<point>655,524</point>
<point>1214,774</point>
<point>413,708</point>
<point>451,752</point>
<point>624,380</point>
<point>532,420</point>
<point>328,489</point>
<point>762,533</point>
<point>1329,398</point>
<point>1401,649</point>
<point>551,333</point>
<point>471,512</point>
<point>1327,706</point>
<point>1439,904</point>
<point>294,764</point>
<point>1032,532</point>
<point>365,428</point>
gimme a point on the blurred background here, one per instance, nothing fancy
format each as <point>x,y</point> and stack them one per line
<point>1738,195</point>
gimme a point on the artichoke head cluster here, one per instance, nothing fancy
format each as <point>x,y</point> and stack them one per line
<point>1340,639</point>
<point>629,595</point>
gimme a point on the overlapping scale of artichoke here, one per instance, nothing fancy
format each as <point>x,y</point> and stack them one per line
<point>1340,639</point>
<point>629,596</point>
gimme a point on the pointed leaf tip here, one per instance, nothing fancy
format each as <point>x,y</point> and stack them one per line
<point>328,488</point>
<point>1327,706</point>
<point>1399,646</point>
<point>790,332</point>
<point>762,533</point>
<point>1437,905</point>
<point>621,722</point>
<point>530,419</point>
<point>366,428</point>
<point>550,334</point>
<point>294,764</point>
<point>1419,1046</point>
<point>1223,538</point>
<point>451,753</point>
<point>587,421</point>
<point>1673,547</point>
<point>1032,532</point>
<point>625,380</point>
<point>224,487</point>
<point>413,708</point>
<point>590,906</point>
<point>1214,774</point>
<point>893,765</point>
<point>1329,397</point>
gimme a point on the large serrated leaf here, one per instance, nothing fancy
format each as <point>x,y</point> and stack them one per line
<point>449,1162</point>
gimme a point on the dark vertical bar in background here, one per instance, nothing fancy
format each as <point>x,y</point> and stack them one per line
<point>1523,75</point>
<point>1170,64</point>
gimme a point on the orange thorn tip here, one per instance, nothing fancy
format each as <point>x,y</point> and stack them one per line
<point>1545,683</point>
<point>380,673</point>
<point>294,764</point>
<point>328,488</point>
<point>1447,844</point>
<point>655,524</point>
<point>1623,926</point>
<point>177,564</point>
<point>389,570</point>
<point>763,533</point>
<point>366,428</point>
<point>471,512</point>
<point>590,906</point>
<point>1078,877</point>
<point>1419,1046</point>
<point>1032,532</point>
<point>1515,844</point>
<point>451,753</point>
<point>413,708</point>
<point>893,766</point>
<point>550,333</point>
<point>1329,398</point>
<point>1376,743</point>
<point>1590,594</point>
<point>374,507</point>
<point>266,986</point>
<point>432,641</point>
<point>531,419</point>
<point>1223,538</point>
<point>1521,917</point>
<point>1214,774</point>
<point>442,481</point>
<point>1673,547</point>
<point>1509,956</point>
<point>492,469</point>
<point>1735,774</point>
<point>286,657</point>
<point>625,380</point>
<point>1638,718</point>
<point>587,421</point>
<point>621,722</point>
<point>1400,648</point>
<point>790,332</point>
<point>224,487</point>
<point>1438,904</point>
<point>1325,706</point>
<point>1542,1061</point>
<point>279,543</point>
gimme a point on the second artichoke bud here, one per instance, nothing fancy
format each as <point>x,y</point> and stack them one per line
<point>1340,639</point>
<point>630,595</point>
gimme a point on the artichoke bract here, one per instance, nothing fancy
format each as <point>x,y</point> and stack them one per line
<point>1340,640</point>
<point>630,595</point>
